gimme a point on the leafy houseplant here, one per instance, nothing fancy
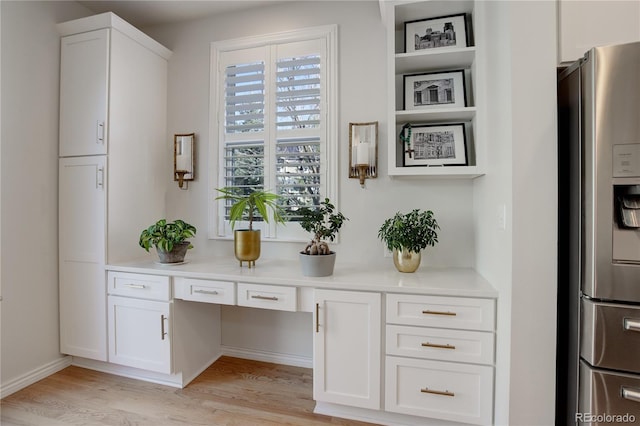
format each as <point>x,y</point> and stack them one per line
<point>407,235</point>
<point>247,207</point>
<point>324,225</point>
<point>169,239</point>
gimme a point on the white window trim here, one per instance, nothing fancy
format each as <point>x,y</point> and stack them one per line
<point>327,32</point>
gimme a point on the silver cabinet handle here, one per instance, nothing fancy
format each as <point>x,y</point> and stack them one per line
<point>100,177</point>
<point>100,132</point>
<point>437,392</point>
<point>140,286</point>
<point>213,292</point>
<point>631,324</point>
<point>631,394</point>
<point>162,330</point>
<point>264,297</point>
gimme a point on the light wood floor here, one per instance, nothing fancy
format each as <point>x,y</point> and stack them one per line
<point>230,392</point>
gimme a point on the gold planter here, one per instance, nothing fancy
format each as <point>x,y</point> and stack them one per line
<point>405,260</point>
<point>246,246</point>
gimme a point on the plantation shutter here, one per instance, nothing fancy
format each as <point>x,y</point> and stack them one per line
<point>299,103</point>
<point>271,121</point>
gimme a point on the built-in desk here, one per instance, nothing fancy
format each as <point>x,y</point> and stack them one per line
<point>388,347</point>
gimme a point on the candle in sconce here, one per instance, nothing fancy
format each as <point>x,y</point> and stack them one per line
<point>183,154</point>
<point>362,153</point>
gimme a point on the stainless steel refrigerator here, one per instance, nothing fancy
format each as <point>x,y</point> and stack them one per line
<point>598,363</point>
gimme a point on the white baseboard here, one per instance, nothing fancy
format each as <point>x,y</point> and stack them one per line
<point>33,376</point>
<point>274,357</point>
<point>173,380</point>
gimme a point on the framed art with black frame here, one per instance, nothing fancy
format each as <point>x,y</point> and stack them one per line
<point>434,33</point>
<point>434,90</point>
<point>435,145</point>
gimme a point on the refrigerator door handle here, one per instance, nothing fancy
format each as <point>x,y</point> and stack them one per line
<point>631,394</point>
<point>631,324</point>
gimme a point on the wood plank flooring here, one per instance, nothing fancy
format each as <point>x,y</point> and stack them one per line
<point>230,392</point>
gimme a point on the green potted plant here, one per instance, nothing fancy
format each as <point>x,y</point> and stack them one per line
<point>246,206</point>
<point>169,239</point>
<point>406,235</point>
<point>317,259</point>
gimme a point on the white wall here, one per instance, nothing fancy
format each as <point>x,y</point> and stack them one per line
<point>492,191</point>
<point>522,174</point>
<point>29,191</point>
<point>362,97</point>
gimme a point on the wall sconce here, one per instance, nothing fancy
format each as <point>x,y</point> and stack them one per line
<point>363,151</point>
<point>184,159</point>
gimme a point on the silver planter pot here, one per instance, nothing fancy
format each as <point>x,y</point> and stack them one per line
<point>174,256</point>
<point>317,265</point>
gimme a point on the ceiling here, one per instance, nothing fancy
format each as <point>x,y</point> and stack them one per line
<point>142,13</point>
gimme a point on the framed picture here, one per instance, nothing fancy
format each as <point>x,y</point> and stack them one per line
<point>434,90</point>
<point>435,145</point>
<point>435,33</point>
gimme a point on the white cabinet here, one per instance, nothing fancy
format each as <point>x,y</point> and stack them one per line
<point>586,24</point>
<point>140,333</point>
<point>440,356</point>
<point>140,317</point>
<point>346,360</point>
<point>401,64</point>
<point>84,70</point>
<point>112,128</point>
<point>83,296</point>
<point>152,331</point>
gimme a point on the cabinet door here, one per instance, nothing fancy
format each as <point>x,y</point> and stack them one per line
<point>82,230</point>
<point>84,73</point>
<point>346,361</point>
<point>139,333</point>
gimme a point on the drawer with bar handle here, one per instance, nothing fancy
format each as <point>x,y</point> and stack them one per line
<point>281,298</point>
<point>441,311</point>
<point>442,390</point>
<point>208,291</point>
<point>612,392</point>
<point>141,286</point>
<point>440,344</point>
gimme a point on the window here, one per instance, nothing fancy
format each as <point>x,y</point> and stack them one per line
<point>273,123</point>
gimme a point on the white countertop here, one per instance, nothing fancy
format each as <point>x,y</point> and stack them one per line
<point>384,278</point>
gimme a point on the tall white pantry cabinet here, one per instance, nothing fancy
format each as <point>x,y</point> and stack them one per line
<point>113,162</point>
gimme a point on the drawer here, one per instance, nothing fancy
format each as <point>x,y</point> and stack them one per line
<point>209,291</point>
<point>604,391</point>
<point>141,286</point>
<point>610,335</point>
<point>443,312</point>
<point>441,344</point>
<point>440,390</point>
<point>281,298</point>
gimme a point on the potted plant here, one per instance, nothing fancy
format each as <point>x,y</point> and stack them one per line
<point>406,235</point>
<point>246,242</point>
<point>317,259</point>
<point>169,239</point>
